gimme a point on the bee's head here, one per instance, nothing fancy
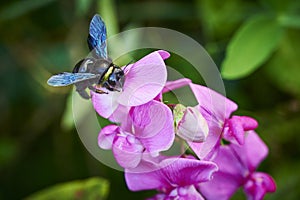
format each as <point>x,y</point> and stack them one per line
<point>116,79</point>
<point>119,73</point>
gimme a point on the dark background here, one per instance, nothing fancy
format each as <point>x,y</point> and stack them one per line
<point>39,147</point>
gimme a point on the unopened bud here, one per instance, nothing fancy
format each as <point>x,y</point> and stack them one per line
<point>190,124</point>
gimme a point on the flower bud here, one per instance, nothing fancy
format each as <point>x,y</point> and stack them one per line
<point>190,124</point>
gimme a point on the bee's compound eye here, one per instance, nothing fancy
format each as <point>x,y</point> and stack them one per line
<point>119,73</point>
<point>112,80</point>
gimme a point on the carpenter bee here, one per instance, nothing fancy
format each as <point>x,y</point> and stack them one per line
<point>96,70</point>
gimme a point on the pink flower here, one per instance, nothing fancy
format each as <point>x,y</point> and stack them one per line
<point>237,165</point>
<point>175,178</point>
<point>148,129</point>
<point>145,127</point>
<point>144,80</point>
<point>217,110</point>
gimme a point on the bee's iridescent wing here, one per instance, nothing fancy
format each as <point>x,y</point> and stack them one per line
<point>97,37</point>
<point>66,78</point>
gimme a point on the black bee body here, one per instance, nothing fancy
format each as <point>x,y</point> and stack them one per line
<point>98,70</point>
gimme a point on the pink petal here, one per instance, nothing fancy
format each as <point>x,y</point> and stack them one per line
<point>258,185</point>
<point>172,85</point>
<point>144,81</point>
<point>229,177</point>
<point>145,179</point>
<point>105,104</point>
<point>185,193</point>
<point>207,148</point>
<point>127,151</point>
<point>237,164</point>
<point>158,197</point>
<point>248,122</point>
<point>106,136</point>
<point>228,162</point>
<point>221,187</point>
<point>158,97</point>
<point>192,193</point>
<point>153,125</point>
<point>251,157</point>
<point>164,54</point>
<point>184,171</point>
<point>120,114</point>
<point>234,132</point>
<point>215,108</point>
<point>237,125</point>
<point>213,104</point>
<point>172,173</point>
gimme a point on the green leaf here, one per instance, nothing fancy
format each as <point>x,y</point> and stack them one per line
<point>221,19</point>
<point>251,46</point>
<point>92,188</point>
<point>291,21</point>
<point>284,68</point>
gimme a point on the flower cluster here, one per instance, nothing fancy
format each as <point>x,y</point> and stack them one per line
<point>144,127</point>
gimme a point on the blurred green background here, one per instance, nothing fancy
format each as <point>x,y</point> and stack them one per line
<point>256,44</point>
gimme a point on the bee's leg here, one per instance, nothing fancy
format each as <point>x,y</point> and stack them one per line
<point>101,92</point>
<point>107,86</point>
<point>97,90</point>
<point>82,92</point>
